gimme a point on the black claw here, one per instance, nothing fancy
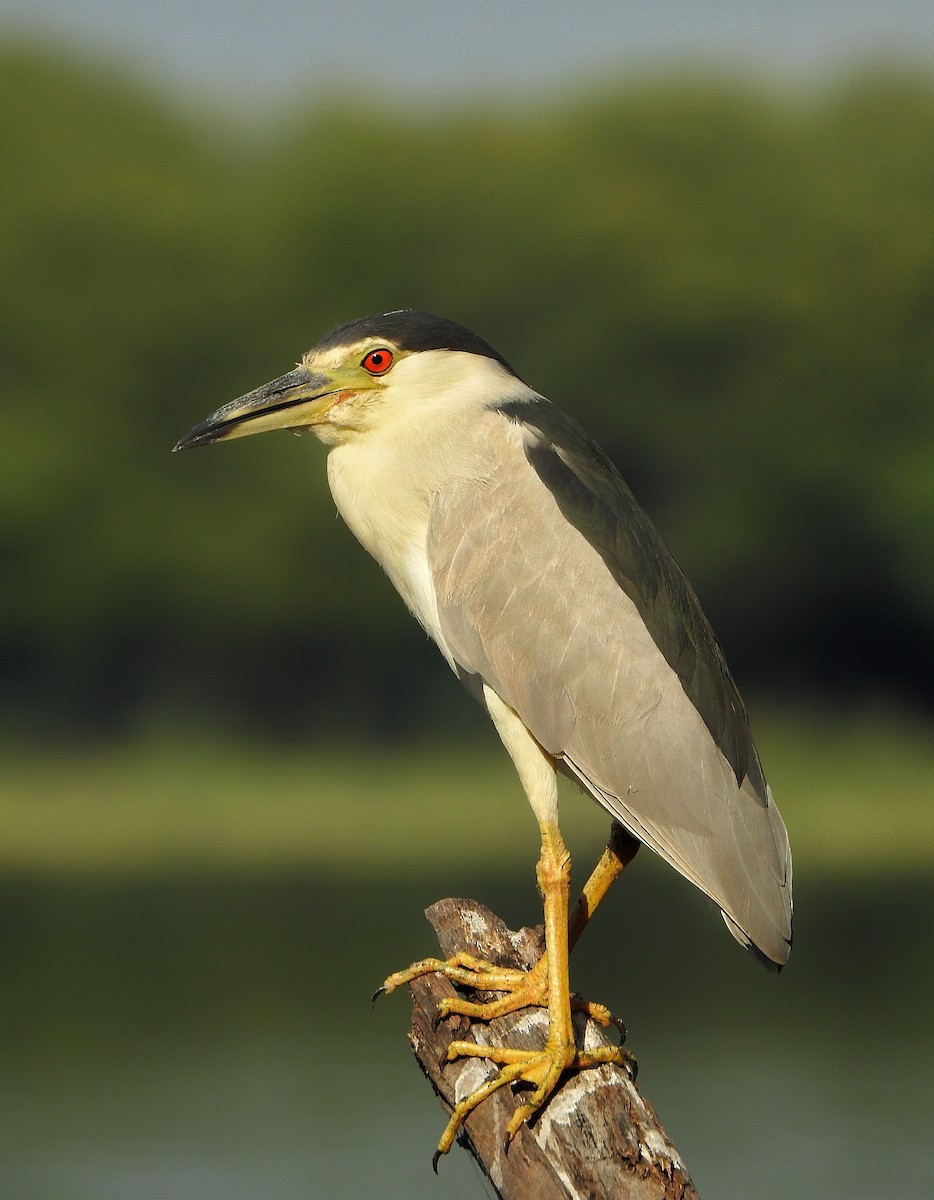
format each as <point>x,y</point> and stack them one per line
<point>506,1143</point>
<point>434,1161</point>
<point>376,995</point>
<point>439,1017</point>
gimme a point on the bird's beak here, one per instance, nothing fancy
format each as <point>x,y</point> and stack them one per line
<point>297,400</point>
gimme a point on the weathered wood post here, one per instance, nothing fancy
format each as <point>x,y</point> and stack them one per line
<point>596,1139</point>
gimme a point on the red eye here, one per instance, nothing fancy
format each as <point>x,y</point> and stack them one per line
<point>377,362</point>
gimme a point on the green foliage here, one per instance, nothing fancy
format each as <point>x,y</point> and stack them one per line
<point>734,291</point>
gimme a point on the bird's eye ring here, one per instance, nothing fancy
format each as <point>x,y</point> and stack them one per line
<point>377,362</point>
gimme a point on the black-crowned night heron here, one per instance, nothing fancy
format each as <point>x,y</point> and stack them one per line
<point>517,545</point>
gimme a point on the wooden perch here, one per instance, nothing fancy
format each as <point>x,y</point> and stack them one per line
<point>596,1138</point>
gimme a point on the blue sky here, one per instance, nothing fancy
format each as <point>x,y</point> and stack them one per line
<point>261,51</point>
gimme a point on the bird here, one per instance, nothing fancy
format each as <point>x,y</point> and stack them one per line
<point>515,542</point>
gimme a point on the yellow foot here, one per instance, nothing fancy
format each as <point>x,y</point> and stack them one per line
<point>465,970</point>
<point>522,989</point>
<point>539,1069</point>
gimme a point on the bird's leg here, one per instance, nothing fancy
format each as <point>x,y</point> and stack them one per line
<point>540,1069</point>
<point>523,989</point>
<point>531,987</point>
<point>546,984</point>
<point>619,853</point>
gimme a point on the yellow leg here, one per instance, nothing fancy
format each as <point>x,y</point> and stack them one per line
<point>619,853</point>
<point>542,1069</point>
<point>546,984</point>
<point>524,989</point>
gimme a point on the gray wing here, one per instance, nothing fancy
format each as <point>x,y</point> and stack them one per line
<point>554,588</point>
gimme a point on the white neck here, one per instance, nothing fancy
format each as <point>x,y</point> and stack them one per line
<point>385,480</point>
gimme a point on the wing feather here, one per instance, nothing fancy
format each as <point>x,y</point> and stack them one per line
<point>554,588</point>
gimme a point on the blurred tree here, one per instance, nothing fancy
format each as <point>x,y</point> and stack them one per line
<point>733,290</point>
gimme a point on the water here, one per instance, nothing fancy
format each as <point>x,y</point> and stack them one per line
<point>178,1038</point>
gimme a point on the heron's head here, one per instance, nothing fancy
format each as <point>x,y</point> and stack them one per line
<point>368,375</point>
